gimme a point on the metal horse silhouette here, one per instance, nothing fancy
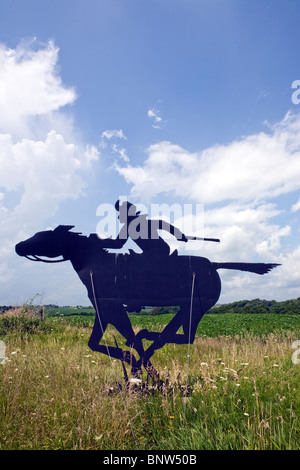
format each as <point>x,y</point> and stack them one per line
<point>117,283</point>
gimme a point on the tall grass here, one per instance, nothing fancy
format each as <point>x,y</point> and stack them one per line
<point>57,394</point>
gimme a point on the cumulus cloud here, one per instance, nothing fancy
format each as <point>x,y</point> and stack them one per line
<point>45,172</point>
<point>30,84</point>
<point>42,161</point>
<point>253,168</point>
<point>238,184</point>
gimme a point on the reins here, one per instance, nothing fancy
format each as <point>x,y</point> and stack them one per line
<point>36,258</point>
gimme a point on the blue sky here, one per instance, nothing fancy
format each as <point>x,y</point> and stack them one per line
<point>178,102</point>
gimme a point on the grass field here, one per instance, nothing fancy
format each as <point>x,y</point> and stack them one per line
<point>243,386</point>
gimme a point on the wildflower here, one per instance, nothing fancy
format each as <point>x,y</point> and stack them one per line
<point>265,424</point>
<point>135,381</point>
<point>246,414</point>
<point>237,385</point>
<point>13,352</point>
<point>171,417</point>
<point>275,365</point>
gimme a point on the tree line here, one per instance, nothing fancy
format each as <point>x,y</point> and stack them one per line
<point>286,307</point>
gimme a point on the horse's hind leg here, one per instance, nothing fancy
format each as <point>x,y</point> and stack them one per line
<point>169,334</point>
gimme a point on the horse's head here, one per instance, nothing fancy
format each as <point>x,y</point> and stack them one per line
<point>50,243</point>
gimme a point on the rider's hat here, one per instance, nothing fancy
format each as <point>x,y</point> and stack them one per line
<point>128,206</point>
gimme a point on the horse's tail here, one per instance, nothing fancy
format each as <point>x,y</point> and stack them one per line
<point>257,268</point>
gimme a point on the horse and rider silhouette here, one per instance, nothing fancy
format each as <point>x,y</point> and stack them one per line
<point>118,283</point>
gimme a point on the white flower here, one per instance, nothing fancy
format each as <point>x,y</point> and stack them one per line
<point>135,381</point>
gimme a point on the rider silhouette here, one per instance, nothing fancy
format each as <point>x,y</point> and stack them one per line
<point>144,231</point>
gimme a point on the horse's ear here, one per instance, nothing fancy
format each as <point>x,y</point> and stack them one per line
<point>63,228</point>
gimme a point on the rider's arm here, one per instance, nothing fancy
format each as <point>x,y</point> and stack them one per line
<point>118,242</point>
<point>163,225</point>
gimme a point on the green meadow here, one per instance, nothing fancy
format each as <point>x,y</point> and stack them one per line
<point>238,389</point>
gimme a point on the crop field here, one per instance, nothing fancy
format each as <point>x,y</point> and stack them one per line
<point>238,389</point>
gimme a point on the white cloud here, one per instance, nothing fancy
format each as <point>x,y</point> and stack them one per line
<point>43,162</point>
<point>121,152</point>
<point>113,134</point>
<point>296,207</point>
<point>157,120</point>
<point>30,84</point>
<point>45,172</point>
<point>110,134</point>
<point>255,167</point>
<point>238,184</point>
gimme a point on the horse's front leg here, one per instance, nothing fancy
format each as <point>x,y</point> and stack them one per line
<point>122,323</point>
<point>99,328</point>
